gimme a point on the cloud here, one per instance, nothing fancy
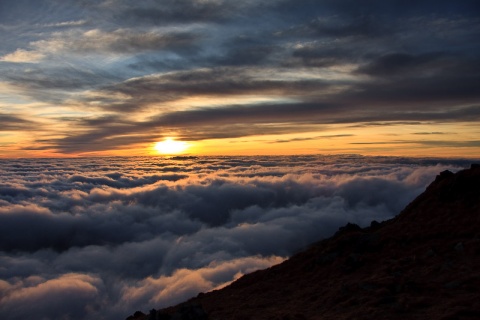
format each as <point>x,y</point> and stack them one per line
<point>249,120</point>
<point>11,122</point>
<point>440,143</point>
<point>66,23</point>
<point>306,113</point>
<point>120,41</point>
<point>103,237</point>
<point>455,144</point>
<point>401,63</point>
<point>209,81</point>
<point>82,237</point>
<point>183,11</point>
<point>336,26</point>
<point>60,78</point>
<point>70,296</point>
<point>22,56</point>
<point>297,106</point>
<point>124,41</point>
<point>433,132</point>
<point>313,138</point>
<point>176,11</point>
<point>185,283</point>
<point>278,67</point>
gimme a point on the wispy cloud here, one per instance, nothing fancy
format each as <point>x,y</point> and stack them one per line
<point>10,122</point>
<point>22,56</point>
<point>332,136</point>
<point>197,68</point>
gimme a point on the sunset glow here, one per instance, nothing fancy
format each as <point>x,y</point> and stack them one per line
<point>112,78</point>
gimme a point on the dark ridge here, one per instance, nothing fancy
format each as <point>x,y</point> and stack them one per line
<point>423,264</point>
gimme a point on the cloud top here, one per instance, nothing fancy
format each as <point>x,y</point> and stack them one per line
<point>102,237</point>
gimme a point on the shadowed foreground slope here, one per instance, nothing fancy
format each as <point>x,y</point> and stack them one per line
<point>423,264</point>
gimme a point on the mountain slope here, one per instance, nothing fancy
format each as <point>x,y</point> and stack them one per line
<point>423,264</point>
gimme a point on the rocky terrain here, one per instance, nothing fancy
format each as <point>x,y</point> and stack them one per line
<point>423,264</point>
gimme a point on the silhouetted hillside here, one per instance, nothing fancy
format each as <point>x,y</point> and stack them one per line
<point>423,264</point>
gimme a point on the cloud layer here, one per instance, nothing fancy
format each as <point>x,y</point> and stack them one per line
<point>98,238</point>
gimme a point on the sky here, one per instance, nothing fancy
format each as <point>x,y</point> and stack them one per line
<point>100,238</point>
<point>114,77</point>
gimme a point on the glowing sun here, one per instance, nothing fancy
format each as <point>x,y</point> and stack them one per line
<point>170,146</point>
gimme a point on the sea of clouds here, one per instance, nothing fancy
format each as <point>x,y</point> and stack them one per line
<point>99,238</point>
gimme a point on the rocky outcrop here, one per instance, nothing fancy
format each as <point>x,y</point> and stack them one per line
<point>423,264</point>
